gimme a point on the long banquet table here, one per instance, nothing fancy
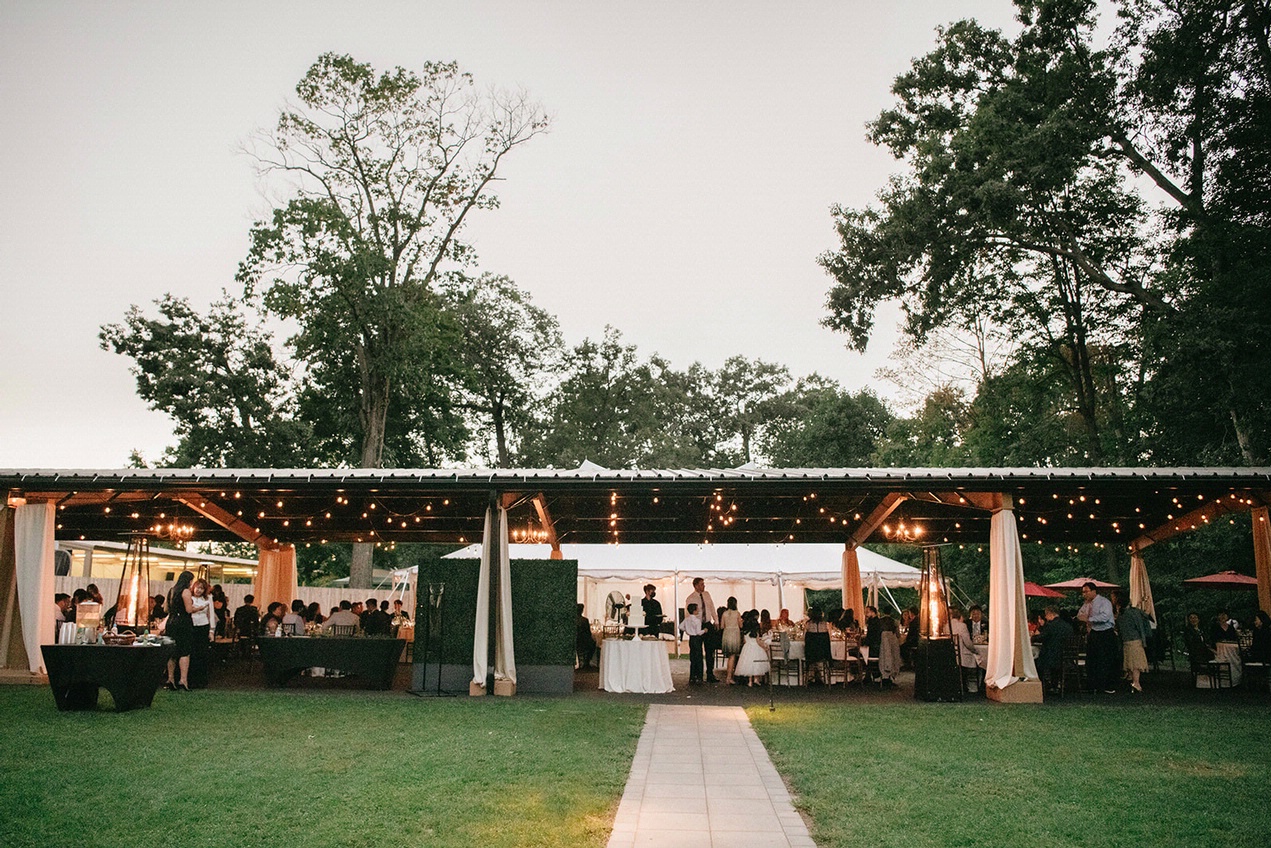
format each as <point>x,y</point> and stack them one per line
<point>372,657</point>
<point>131,674</point>
<point>635,665</point>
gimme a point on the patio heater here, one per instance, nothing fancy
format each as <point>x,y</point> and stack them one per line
<point>936,673</point>
<point>132,606</point>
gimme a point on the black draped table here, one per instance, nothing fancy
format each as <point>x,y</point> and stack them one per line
<point>371,657</point>
<point>130,674</point>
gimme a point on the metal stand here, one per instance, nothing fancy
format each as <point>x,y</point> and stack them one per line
<point>436,592</point>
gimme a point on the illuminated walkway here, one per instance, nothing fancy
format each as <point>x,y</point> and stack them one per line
<point>702,778</point>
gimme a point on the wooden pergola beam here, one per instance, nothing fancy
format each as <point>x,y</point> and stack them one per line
<point>1197,518</point>
<point>875,519</point>
<point>545,518</point>
<point>224,518</point>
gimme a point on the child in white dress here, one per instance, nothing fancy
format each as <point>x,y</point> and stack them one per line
<point>753,660</point>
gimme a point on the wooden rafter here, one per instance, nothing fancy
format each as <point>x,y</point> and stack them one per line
<point>872,521</point>
<point>240,528</point>
<point>545,518</point>
<point>1198,517</point>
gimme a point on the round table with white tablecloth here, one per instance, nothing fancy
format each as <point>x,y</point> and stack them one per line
<point>635,665</point>
<point>1229,653</point>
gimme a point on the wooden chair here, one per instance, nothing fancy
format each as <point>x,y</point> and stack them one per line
<point>343,629</point>
<point>784,670</point>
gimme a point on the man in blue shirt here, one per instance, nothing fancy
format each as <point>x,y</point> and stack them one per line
<point>1101,641</point>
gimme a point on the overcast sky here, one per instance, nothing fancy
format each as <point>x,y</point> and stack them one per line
<point>682,195</point>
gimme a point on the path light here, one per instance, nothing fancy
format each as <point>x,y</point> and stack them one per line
<point>936,673</point>
<point>132,605</point>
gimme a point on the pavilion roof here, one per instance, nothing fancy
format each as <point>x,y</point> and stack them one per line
<point>593,504</point>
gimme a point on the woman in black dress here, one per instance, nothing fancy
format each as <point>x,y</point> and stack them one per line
<point>180,629</point>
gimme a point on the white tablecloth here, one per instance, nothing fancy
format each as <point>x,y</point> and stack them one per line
<point>634,666</point>
<point>1225,652</point>
<point>798,650</point>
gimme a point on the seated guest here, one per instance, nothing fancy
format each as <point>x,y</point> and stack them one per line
<point>293,622</point>
<point>78,597</point>
<point>765,622</point>
<point>1224,629</point>
<point>61,606</point>
<point>399,614</point>
<point>1036,622</point>
<point>888,650</point>
<point>273,619</point>
<point>342,617</point>
<point>967,657</point>
<point>376,622</point>
<point>977,625</point>
<point>371,606</point>
<point>247,618</point>
<point>1198,650</point>
<point>157,613</point>
<point>783,621</point>
<point>313,613</point>
<point>1260,650</point>
<point>912,634</point>
<point>1054,633</point>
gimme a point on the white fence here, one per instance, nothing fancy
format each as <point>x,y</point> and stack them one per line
<point>326,596</point>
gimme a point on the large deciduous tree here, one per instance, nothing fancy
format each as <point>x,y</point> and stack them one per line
<point>383,171</point>
<point>217,377</point>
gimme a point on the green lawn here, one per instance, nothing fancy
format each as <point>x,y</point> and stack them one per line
<point>313,769</point>
<point>916,775</point>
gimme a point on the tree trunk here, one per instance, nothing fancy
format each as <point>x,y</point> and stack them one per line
<point>374,415</point>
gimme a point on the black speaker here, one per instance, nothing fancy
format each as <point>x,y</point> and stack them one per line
<point>936,673</point>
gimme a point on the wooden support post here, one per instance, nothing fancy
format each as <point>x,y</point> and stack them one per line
<point>1262,554</point>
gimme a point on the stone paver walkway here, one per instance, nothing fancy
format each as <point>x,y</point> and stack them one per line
<point>702,778</point>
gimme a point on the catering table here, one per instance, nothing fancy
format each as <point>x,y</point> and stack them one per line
<point>635,665</point>
<point>1229,653</point>
<point>372,657</point>
<point>130,674</point>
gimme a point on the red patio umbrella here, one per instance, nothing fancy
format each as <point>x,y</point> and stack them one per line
<point>1032,590</point>
<point>1078,582</point>
<point>1223,580</point>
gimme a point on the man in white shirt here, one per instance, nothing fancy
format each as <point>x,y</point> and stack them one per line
<point>706,610</point>
<point>344,617</point>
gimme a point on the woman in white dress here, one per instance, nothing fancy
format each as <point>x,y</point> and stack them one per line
<point>753,660</point>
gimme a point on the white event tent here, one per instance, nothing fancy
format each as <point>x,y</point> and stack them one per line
<point>768,577</point>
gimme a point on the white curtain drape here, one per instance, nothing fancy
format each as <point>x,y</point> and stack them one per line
<point>852,592</point>
<point>1010,652</point>
<point>481,631</point>
<point>275,576</point>
<point>33,545</point>
<point>504,651</point>
<point>1140,586</point>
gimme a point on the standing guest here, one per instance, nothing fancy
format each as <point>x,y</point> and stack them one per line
<point>816,647</point>
<point>1260,650</point>
<point>180,629</point>
<point>1054,633</point>
<point>220,608</point>
<point>203,620</point>
<point>752,662</point>
<point>692,628</point>
<point>652,611</point>
<point>730,642</point>
<point>1135,629</point>
<point>706,610</point>
<point>584,642</point>
<point>888,651</point>
<point>1101,641</point>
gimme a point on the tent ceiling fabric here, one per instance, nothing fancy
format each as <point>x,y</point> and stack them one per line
<point>595,505</point>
